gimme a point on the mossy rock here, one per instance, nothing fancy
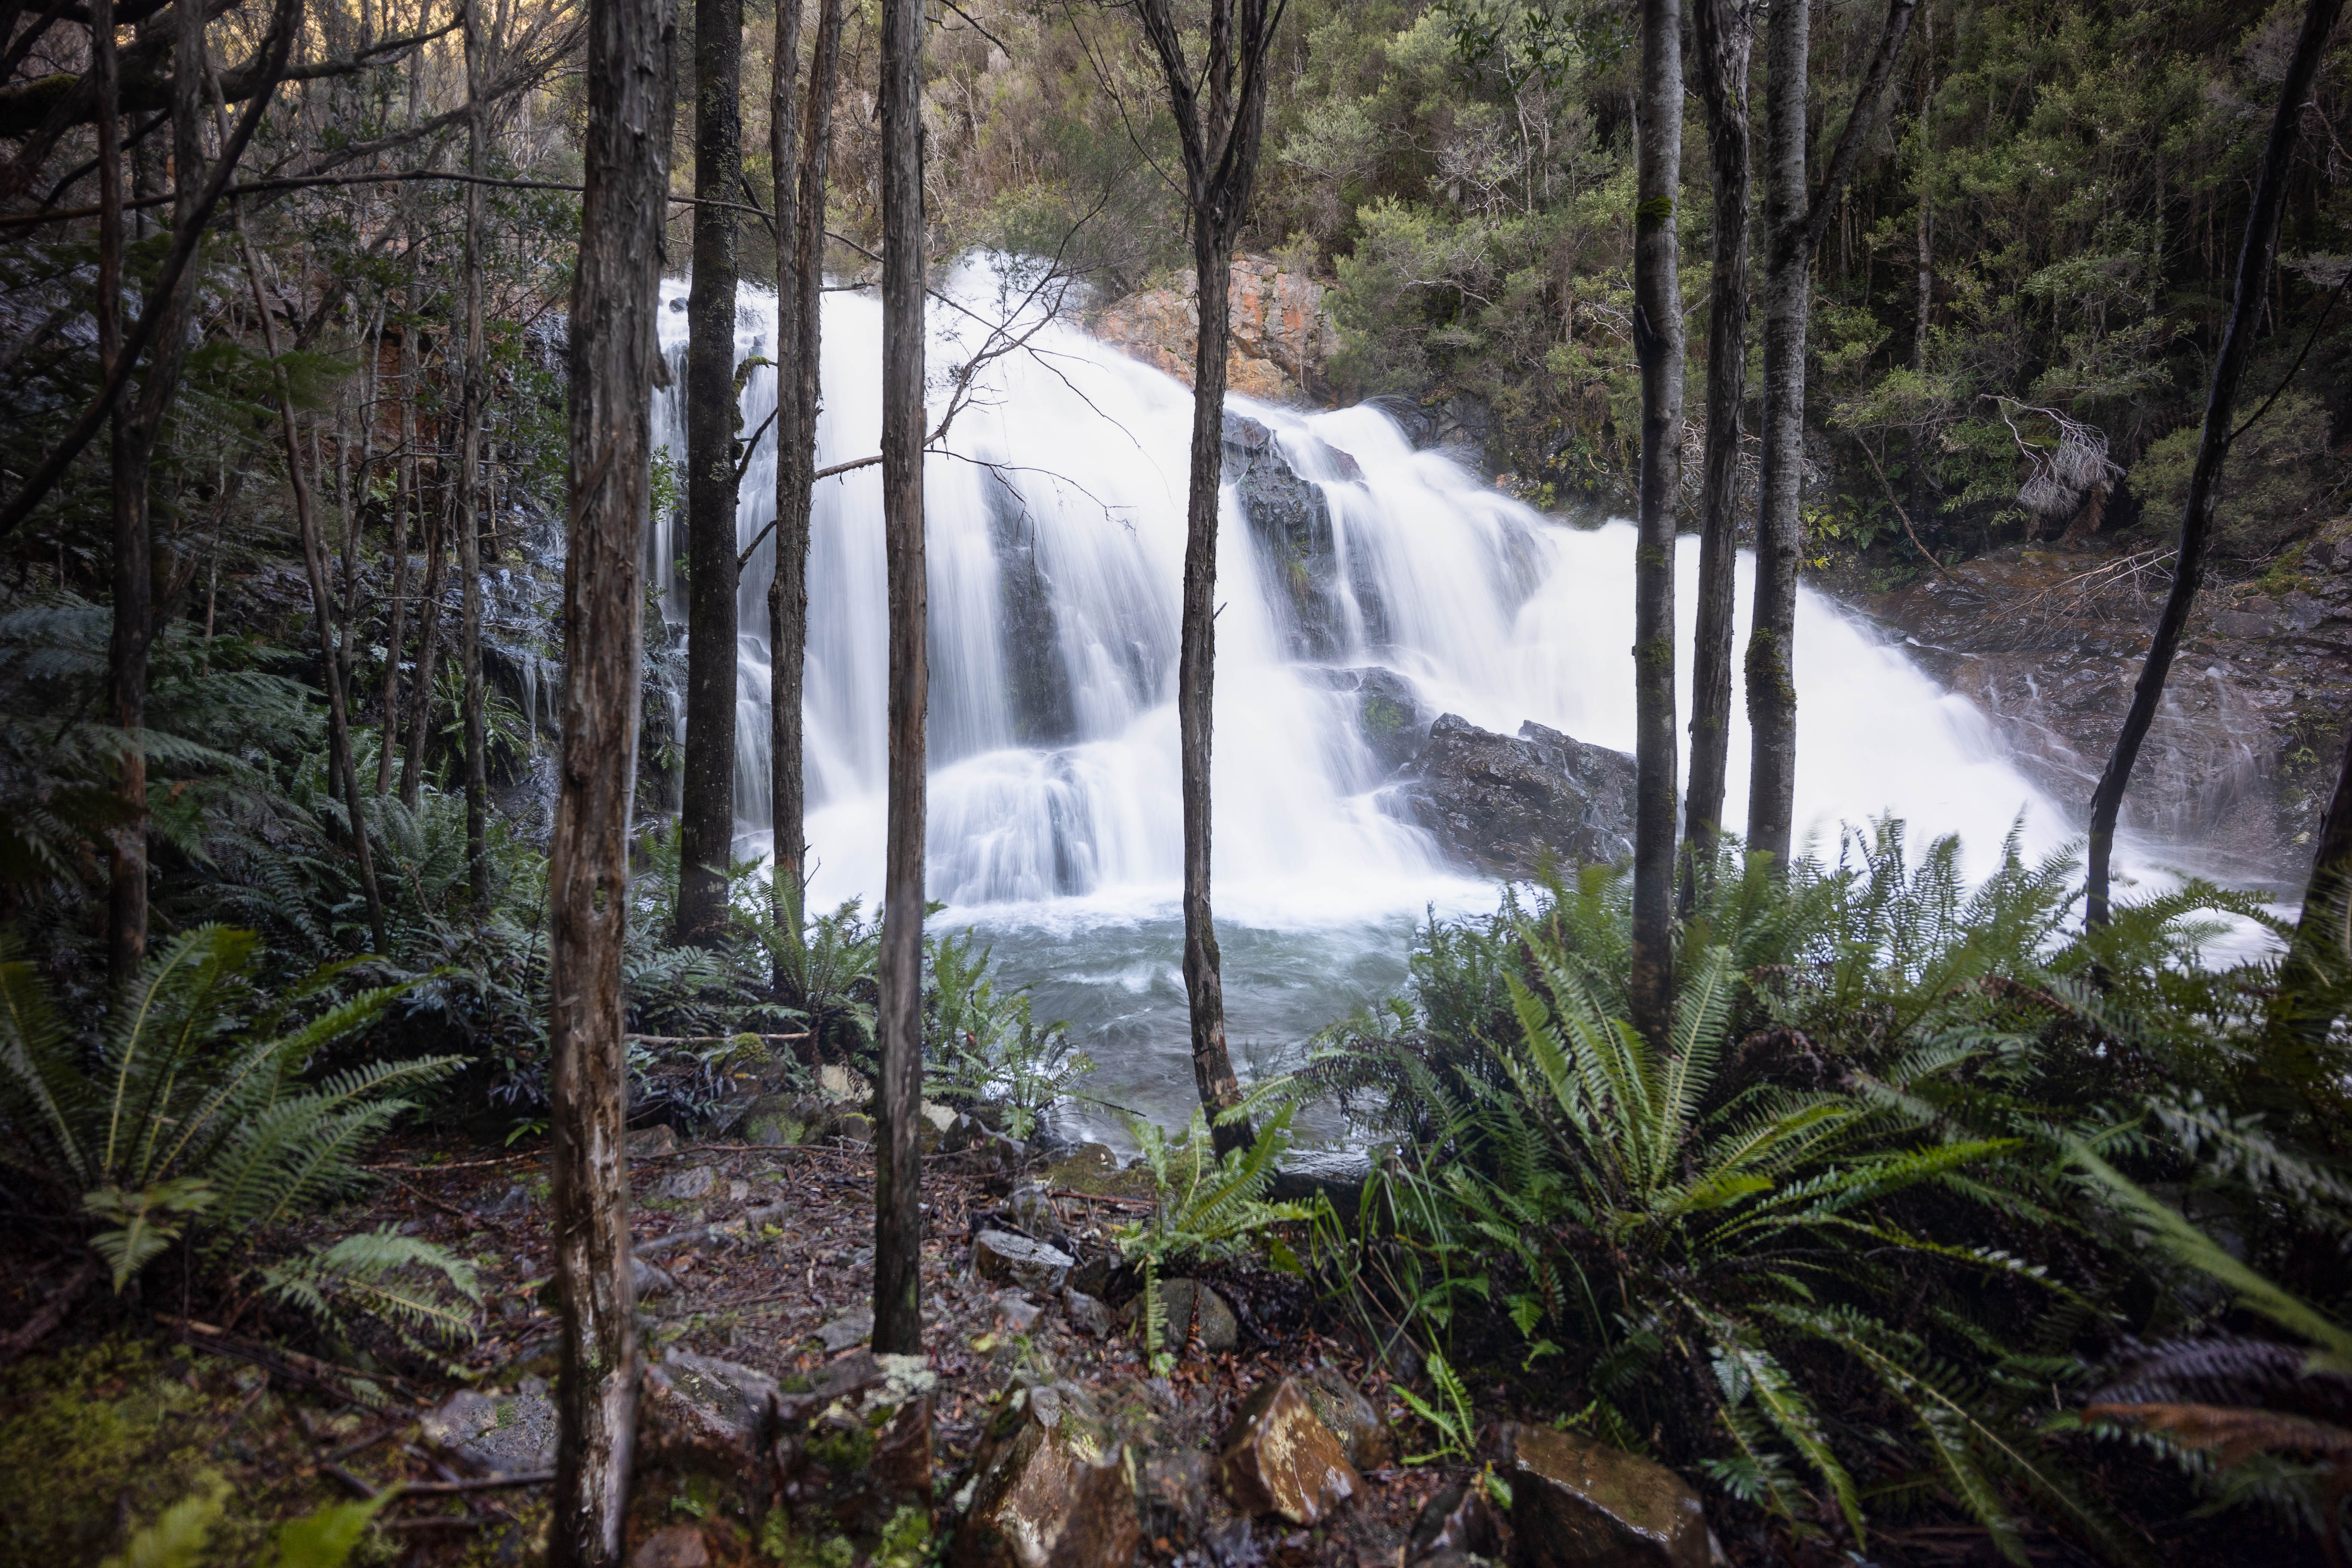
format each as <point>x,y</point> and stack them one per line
<point>1094,1170</point>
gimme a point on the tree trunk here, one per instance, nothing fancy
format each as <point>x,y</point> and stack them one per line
<point>898,1169</point>
<point>2212,443</point>
<point>404,496</point>
<point>1722,34</point>
<point>1793,226</point>
<point>800,283</point>
<point>706,824</point>
<point>470,522</point>
<point>343,773</point>
<point>428,647</point>
<point>616,291</point>
<point>1658,343</point>
<point>137,429</point>
<point>2321,954</point>
<point>1220,140</point>
<point>126,674</point>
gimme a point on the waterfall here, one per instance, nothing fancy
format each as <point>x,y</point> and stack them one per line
<point>1055,527</point>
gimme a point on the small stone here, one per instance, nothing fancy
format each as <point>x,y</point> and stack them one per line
<point>1016,1313</point>
<point>1087,1313</point>
<point>684,1186</point>
<point>650,1279</point>
<point>1279,1457</point>
<point>678,1546</point>
<point>648,1141</point>
<point>854,1127</point>
<point>1194,1312</point>
<point>738,1191</point>
<point>1456,1524</point>
<point>853,1327</point>
<point>1033,1210</point>
<point>1012,1259</point>
<point>1092,1275</point>
<point>1176,1490</point>
<point>941,1117</point>
<point>1576,1503</point>
<point>836,1081</point>
<point>733,1393</point>
<point>1351,1417</point>
<point>515,1200</point>
<point>513,1435</point>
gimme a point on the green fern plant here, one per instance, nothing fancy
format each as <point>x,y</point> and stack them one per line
<point>191,1116</point>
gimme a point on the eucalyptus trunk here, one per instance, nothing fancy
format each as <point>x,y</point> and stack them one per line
<point>428,650</point>
<point>469,521</point>
<point>1658,345</point>
<point>1794,221</point>
<point>1721,30</point>
<point>800,155</point>
<point>706,824</point>
<point>1220,140</point>
<point>616,287</point>
<point>898,1169</point>
<point>2254,258</point>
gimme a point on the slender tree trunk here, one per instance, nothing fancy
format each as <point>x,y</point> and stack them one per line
<point>898,1220</point>
<point>1924,277</point>
<point>616,289</point>
<point>706,793</point>
<point>1722,34</point>
<point>469,521</point>
<point>1794,223</point>
<point>404,496</point>
<point>1658,343</point>
<point>339,765</point>
<point>127,858</point>
<point>1220,140</point>
<point>2320,953</point>
<point>136,432</point>
<point>428,647</point>
<point>2254,258</point>
<point>800,283</point>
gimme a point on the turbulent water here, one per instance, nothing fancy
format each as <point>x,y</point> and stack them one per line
<point>1056,529</point>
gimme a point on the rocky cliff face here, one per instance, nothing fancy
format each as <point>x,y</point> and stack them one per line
<point>2240,761</point>
<point>1283,338</point>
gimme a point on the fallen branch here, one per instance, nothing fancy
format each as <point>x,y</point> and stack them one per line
<point>43,1323</point>
<point>711,1039</point>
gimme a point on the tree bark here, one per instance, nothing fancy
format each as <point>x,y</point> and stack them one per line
<point>706,826</point>
<point>136,432</point>
<point>1220,140</point>
<point>1794,223</point>
<point>404,496</point>
<point>800,284</point>
<point>340,768</point>
<point>616,289</point>
<point>1724,37</point>
<point>2212,444</point>
<point>470,522</point>
<point>127,857</point>
<point>898,1220</point>
<point>1658,345</point>
<point>428,649</point>
<point>2321,954</point>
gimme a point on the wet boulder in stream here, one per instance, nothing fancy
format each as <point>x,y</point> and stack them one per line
<point>1500,805</point>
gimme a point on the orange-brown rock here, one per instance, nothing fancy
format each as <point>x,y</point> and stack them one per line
<point>1051,1490</point>
<point>1279,1457</point>
<point>1576,1503</point>
<point>1283,338</point>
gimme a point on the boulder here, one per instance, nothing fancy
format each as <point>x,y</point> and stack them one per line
<point>1576,1503</point>
<point>1087,1313</point>
<point>853,1327</point>
<point>1454,1527</point>
<point>1278,1456</point>
<point>734,1396</point>
<point>1016,1313</point>
<point>685,1186</point>
<point>853,1454</point>
<point>676,1546</point>
<point>1500,805</point>
<point>1094,1169</point>
<point>1050,1489</point>
<point>1194,1312</point>
<point>1351,1417</point>
<point>1290,523</point>
<point>507,1434</point>
<point>1389,717</point>
<point>1010,1260</point>
<point>646,1142</point>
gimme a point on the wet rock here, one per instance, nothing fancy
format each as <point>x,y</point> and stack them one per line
<point>853,1452</point>
<point>686,1185</point>
<point>1194,1312</point>
<point>1290,524</point>
<point>734,1395</point>
<point>1501,806</point>
<point>1351,1417</point>
<point>1087,1313</point>
<point>678,1546</point>
<point>1094,1169</point>
<point>1455,1525</point>
<point>1576,1503</point>
<point>646,1142</point>
<point>1389,717</point>
<point>1010,1260</point>
<point>1036,678</point>
<point>1278,1456</point>
<point>1050,1489</point>
<point>509,1435</point>
<point>853,1327</point>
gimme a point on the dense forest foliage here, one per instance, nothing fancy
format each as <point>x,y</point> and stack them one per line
<point>1925,1218</point>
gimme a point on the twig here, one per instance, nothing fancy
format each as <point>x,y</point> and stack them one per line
<point>711,1039</point>
<point>1900,513</point>
<point>450,1209</point>
<point>41,1324</point>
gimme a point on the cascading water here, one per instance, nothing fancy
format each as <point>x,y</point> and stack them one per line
<point>1056,529</point>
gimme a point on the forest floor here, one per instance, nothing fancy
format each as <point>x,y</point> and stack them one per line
<point>775,1274</point>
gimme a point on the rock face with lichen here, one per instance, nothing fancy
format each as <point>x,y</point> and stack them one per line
<point>1283,338</point>
<point>1279,1457</point>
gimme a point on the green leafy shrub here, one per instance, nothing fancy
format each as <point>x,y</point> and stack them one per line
<point>2278,472</point>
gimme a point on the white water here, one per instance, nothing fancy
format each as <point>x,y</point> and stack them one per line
<point>1068,854</point>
